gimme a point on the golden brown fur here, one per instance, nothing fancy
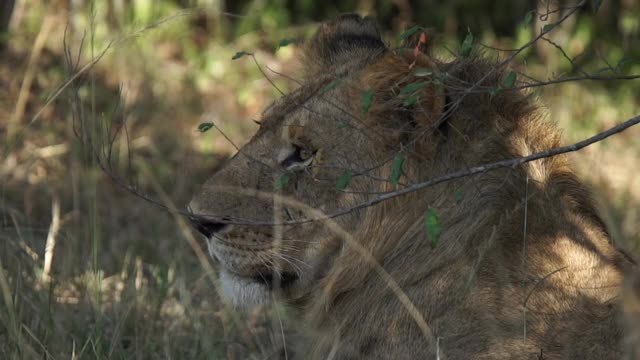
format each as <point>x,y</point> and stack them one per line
<point>489,289</point>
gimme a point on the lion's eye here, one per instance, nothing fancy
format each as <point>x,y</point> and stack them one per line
<point>299,158</point>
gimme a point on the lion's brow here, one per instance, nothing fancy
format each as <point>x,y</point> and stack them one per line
<point>288,104</point>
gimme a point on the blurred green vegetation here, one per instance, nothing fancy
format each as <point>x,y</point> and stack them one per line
<point>125,280</point>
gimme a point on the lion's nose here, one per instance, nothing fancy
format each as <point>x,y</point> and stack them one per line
<point>206,227</point>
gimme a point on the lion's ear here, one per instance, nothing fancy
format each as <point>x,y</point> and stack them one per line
<point>409,98</point>
<point>428,112</point>
<point>348,39</point>
<point>408,82</point>
<point>431,106</point>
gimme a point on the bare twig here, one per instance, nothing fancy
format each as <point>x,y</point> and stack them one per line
<point>575,79</point>
<point>105,163</point>
<point>537,284</point>
<point>564,53</point>
<point>27,82</point>
<point>508,163</point>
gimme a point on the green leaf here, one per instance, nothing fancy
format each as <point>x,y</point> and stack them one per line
<point>343,180</point>
<point>548,27</point>
<point>286,42</point>
<point>595,4</point>
<point>457,196</point>
<point>410,101</point>
<point>467,44</point>
<point>422,72</point>
<point>205,127</point>
<point>494,91</point>
<point>240,54</point>
<point>161,276</point>
<point>413,87</point>
<point>367,98</point>
<point>510,80</point>
<point>528,18</point>
<point>282,181</point>
<point>396,169</point>
<point>410,31</point>
<point>432,227</point>
<point>330,86</point>
<point>342,125</point>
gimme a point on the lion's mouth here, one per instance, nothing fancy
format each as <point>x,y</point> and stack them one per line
<point>273,280</point>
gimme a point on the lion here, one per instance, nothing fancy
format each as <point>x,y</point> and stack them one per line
<point>512,263</point>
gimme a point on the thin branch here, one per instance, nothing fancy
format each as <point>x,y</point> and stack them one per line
<point>94,61</point>
<point>465,89</point>
<point>577,78</point>
<point>564,54</point>
<point>509,163</point>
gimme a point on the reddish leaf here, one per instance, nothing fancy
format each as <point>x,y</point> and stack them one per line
<point>423,38</point>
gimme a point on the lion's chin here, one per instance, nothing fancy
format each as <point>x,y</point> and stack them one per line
<point>244,292</point>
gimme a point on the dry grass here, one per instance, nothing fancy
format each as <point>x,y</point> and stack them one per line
<point>88,271</point>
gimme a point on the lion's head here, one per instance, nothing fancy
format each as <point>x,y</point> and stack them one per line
<point>367,120</point>
<point>307,141</point>
<point>321,134</point>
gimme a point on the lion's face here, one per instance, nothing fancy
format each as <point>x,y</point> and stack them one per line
<point>310,145</point>
<point>304,145</point>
